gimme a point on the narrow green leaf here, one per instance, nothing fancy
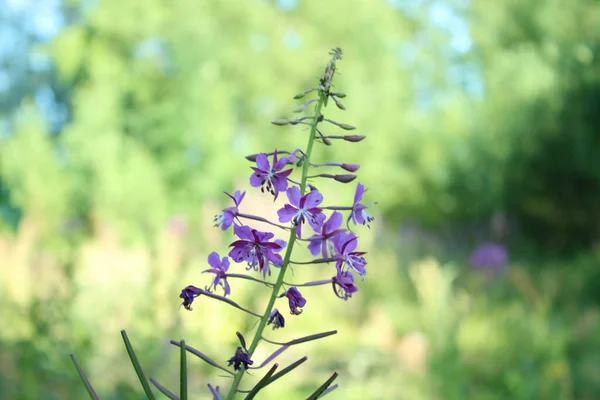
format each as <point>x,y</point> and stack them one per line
<point>84,378</point>
<point>287,369</point>
<point>317,393</point>
<point>182,371</point>
<point>164,390</point>
<point>136,365</point>
<point>202,356</point>
<point>262,383</point>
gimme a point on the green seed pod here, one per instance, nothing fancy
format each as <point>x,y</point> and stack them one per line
<point>280,122</point>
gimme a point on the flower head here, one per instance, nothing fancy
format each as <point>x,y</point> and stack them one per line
<point>302,209</point>
<point>295,299</point>
<point>359,214</point>
<point>188,294</point>
<point>344,245</point>
<point>271,178</point>
<point>276,319</point>
<point>240,358</point>
<point>343,284</point>
<point>490,256</point>
<point>226,217</point>
<point>255,248</point>
<point>219,268</point>
<point>319,243</point>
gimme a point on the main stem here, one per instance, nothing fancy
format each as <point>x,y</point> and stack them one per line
<point>286,260</point>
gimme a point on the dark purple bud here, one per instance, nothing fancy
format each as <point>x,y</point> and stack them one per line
<point>276,319</point>
<point>302,94</point>
<point>251,157</point>
<point>240,358</point>
<point>295,299</point>
<point>354,138</point>
<point>350,167</point>
<point>280,122</point>
<point>344,178</point>
<point>188,294</point>
<point>214,391</point>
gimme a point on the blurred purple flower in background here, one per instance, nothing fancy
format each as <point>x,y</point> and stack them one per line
<point>491,256</point>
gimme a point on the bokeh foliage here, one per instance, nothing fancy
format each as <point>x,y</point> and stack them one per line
<point>472,109</point>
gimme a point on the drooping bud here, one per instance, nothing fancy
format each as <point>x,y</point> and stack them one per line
<point>339,95</point>
<point>280,122</point>
<point>338,103</point>
<point>302,94</point>
<point>251,157</point>
<point>276,319</point>
<point>347,127</point>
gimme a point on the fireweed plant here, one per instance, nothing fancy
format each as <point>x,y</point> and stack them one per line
<point>324,230</point>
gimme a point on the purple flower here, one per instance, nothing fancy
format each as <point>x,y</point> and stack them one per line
<point>302,209</point>
<point>318,243</point>
<point>240,358</point>
<point>188,294</point>
<point>254,248</point>
<point>274,178</point>
<point>276,319</point>
<point>225,218</point>
<point>344,245</point>
<point>295,299</point>
<point>343,284</point>
<point>359,214</point>
<point>489,256</point>
<point>219,268</point>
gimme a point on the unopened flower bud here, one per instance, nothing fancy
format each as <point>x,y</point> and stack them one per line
<point>350,167</point>
<point>344,178</point>
<point>338,103</point>
<point>280,122</point>
<point>339,95</point>
<point>354,138</point>
<point>346,127</point>
<point>303,106</point>
<point>302,94</point>
<point>251,157</point>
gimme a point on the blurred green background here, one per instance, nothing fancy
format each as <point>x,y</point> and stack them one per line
<point>122,121</point>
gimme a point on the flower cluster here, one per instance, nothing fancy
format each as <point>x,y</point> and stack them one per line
<point>330,242</point>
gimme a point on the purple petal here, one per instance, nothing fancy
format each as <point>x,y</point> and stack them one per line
<point>243,232</point>
<point>280,182</point>
<point>293,195</point>
<point>333,222</point>
<point>320,218</point>
<point>287,213</point>
<point>350,244</point>
<point>358,195</point>
<point>238,197</point>
<point>299,230</point>
<point>279,164</point>
<point>225,264</point>
<point>281,243</point>
<point>357,216</point>
<point>214,260</point>
<point>261,237</point>
<point>257,179</point>
<point>227,289</point>
<point>312,199</point>
<point>315,246</point>
<point>262,162</point>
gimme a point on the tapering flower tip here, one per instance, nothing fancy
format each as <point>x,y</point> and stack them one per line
<point>301,108</point>
<point>354,138</point>
<point>188,294</point>
<point>344,178</point>
<point>302,94</point>
<point>219,268</point>
<point>240,358</point>
<point>350,167</point>
<point>338,103</point>
<point>343,285</point>
<point>251,157</point>
<point>296,300</point>
<point>280,122</point>
<point>276,319</point>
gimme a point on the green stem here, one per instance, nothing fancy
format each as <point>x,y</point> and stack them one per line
<point>286,260</point>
